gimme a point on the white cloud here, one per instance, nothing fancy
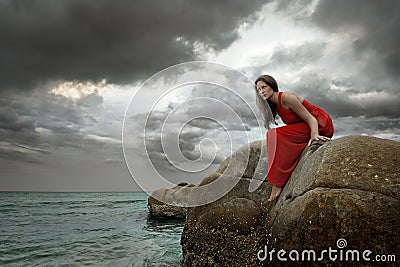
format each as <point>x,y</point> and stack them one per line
<point>104,139</point>
<point>271,31</point>
<point>43,131</point>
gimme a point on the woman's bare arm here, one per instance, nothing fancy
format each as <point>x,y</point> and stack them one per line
<point>294,102</point>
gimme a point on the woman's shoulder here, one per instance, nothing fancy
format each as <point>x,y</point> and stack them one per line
<point>289,96</point>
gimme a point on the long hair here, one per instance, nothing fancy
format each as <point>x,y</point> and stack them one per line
<point>264,104</point>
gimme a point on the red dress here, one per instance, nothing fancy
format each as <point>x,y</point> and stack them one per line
<point>285,144</point>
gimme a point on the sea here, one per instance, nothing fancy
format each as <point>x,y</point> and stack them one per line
<point>85,229</point>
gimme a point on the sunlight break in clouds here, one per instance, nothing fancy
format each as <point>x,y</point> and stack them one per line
<point>75,90</point>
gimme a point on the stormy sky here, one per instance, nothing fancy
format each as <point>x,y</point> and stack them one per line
<point>69,69</point>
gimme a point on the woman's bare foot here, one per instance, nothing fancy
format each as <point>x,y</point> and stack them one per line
<point>276,191</point>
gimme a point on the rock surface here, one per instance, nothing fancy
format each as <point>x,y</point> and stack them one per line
<point>348,188</point>
<point>158,208</point>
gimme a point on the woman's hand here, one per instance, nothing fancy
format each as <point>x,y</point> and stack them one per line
<point>316,137</point>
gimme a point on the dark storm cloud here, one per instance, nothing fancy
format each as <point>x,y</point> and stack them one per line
<point>192,131</point>
<point>121,40</point>
<point>10,120</point>
<point>363,62</point>
<point>204,123</point>
<point>318,90</point>
<point>297,9</point>
<point>39,121</point>
<point>376,24</point>
<point>240,117</point>
<point>377,126</point>
<point>26,112</point>
<point>155,131</point>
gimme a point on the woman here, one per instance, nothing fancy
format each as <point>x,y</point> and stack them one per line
<point>304,121</point>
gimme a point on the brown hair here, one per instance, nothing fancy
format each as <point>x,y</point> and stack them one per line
<point>262,104</point>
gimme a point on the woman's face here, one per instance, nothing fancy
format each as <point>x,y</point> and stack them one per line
<point>264,90</point>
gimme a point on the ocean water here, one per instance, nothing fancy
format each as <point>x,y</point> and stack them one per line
<point>84,229</point>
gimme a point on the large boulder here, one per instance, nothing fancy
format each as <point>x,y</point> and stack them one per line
<point>343,195</point>
<point>348,189</point>
<point>249,161</point>
<point>224,232</point>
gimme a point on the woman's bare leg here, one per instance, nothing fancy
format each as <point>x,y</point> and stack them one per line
<point>276,191</point>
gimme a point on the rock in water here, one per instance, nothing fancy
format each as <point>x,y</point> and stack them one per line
<point>158,208</point>
<point>347,189</point>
